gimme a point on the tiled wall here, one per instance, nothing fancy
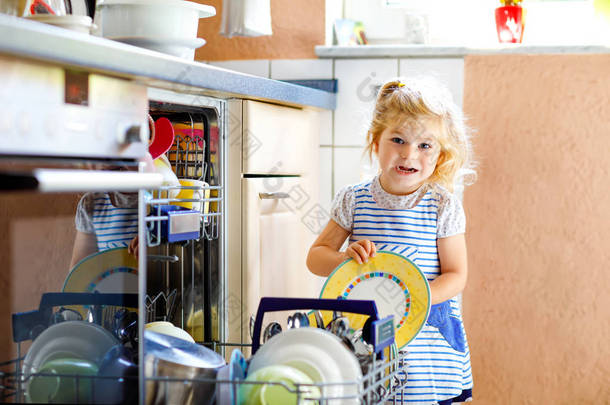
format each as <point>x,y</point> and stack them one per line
<point>343,131</point>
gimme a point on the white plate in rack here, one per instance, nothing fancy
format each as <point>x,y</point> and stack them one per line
<point>317,353</point>
<point>70,339</point>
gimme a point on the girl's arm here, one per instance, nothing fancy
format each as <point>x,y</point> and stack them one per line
<point>85,244</point>
<point>454,268</point>
<point>324,255</point>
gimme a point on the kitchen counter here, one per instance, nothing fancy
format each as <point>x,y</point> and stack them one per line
<point>29,39</point>
<point>434,51</point>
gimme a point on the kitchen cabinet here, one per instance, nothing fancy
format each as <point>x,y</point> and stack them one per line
<point>273,172</point>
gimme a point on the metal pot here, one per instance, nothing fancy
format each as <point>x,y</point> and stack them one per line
<point>179,372</point>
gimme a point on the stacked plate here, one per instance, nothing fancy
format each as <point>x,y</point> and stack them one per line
<point>79,23</point>
<point>166,26</point>
<point>318,354</point>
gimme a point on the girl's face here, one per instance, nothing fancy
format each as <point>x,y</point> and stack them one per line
<point>408,154</point>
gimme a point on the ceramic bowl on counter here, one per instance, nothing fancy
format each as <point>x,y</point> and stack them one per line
<point>168,26</point>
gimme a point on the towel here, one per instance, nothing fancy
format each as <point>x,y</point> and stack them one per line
<point>449,326</point>
<point>246,18</point>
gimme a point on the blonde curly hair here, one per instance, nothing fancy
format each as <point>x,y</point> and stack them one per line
<point>402,101</point>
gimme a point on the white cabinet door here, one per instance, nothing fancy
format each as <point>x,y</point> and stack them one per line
<point>275,242</point>
<point>278,139</point>
<point>273,149</point>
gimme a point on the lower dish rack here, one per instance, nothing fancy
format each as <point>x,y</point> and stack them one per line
<point>382,380</point>
<point>383,383</point>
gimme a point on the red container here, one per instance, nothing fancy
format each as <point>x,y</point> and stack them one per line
<point>509,23</point>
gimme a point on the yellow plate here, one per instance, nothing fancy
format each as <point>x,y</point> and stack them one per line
<point>110,271</point>
<point>395,283</point>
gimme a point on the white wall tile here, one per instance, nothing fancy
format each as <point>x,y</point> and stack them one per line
<point>349,167</point>
<point>449,71</point>
<point>326,176</point>
<point>358,80</point>
<point>304,69</point>
<point>258,67</point>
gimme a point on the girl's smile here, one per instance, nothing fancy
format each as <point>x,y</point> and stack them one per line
<point>407,155</point>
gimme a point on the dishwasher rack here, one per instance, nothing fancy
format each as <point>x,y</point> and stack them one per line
<point>384,380</point>
<point>383,383</point>
<point>185,278</point>
<point>191,157</point>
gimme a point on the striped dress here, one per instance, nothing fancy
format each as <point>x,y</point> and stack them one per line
<point>113,226</point>
<point>410,225</point>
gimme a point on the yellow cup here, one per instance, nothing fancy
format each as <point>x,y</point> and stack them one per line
<point>197,193</point>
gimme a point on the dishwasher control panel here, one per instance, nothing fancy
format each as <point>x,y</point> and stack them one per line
<point>51,111</point>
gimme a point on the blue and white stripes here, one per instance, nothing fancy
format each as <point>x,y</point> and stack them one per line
<point>114,227</point>
<point>435,371</point>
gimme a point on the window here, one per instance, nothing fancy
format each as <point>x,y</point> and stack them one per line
<point>471,22</point>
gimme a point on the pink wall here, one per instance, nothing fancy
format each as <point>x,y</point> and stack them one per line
<point>537,305</point>
<point>36,238</point>
<point>298,26</point>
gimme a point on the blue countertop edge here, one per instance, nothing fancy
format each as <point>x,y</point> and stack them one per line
<point>34,40</point>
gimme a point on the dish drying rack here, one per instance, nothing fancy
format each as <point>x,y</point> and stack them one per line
<point>188,160</point>
<point>183,274</point>
<point>383,382</point>
<point>29,325</point>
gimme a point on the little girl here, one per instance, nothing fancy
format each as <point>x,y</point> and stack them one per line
<point>420,140</point>
<point>105,221</point>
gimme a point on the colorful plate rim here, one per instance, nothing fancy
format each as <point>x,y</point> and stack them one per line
<point>415,266</point>
<point>119,259</point>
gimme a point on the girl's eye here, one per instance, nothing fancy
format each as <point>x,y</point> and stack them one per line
<point>398,140</point>
<point>425,146</point>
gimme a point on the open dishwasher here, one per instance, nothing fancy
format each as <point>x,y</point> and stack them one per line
<point>64,325</point>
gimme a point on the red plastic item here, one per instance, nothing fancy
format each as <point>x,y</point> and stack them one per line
<point>164,137</point>
<point>509,24</point>
<point>40,7</point>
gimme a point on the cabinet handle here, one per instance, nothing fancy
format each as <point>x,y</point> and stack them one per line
<point>273,196</point>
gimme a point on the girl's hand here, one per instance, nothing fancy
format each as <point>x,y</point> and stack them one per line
<point>133,247</point>
<point>361,250</point>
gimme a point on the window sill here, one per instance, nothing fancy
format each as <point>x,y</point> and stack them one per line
<point>440,51</point>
